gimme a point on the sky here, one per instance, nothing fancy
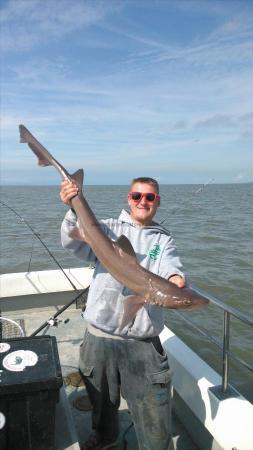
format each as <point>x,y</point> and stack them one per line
<point>127,88</point>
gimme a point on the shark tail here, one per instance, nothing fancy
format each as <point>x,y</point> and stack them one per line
<point>44,157</point>
<point>132,304</point>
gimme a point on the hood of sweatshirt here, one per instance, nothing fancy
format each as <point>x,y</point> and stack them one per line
<point>125,217</point>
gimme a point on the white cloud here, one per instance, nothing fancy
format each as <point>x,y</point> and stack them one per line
<point>26,23</point>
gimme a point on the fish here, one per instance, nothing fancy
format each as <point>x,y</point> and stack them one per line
<point>118,257</point>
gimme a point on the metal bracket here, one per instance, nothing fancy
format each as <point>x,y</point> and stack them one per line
<point>223,395</point>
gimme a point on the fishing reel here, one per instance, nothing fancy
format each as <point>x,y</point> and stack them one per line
<point>54,322</point>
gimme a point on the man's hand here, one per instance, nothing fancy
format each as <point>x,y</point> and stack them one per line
<point>69,189</point>
<point>178,281</point>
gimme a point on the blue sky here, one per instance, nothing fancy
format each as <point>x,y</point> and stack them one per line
<point>127,88</point>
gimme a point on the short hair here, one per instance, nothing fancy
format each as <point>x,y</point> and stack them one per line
<point>147,180</point>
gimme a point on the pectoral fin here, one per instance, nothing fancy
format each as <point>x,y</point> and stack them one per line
<point>132,304</point>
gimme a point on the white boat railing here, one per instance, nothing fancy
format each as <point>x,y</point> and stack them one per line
<point>224,390</point>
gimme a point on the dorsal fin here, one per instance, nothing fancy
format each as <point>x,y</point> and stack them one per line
<point>78,177</point>
<point>77,234</point>
<point>126,246</point>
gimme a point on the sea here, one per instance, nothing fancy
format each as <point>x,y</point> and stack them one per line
<point>212,226</point>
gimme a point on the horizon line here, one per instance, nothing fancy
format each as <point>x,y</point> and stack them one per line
<point>127,184</point>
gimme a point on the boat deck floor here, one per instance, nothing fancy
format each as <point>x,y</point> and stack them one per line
<point>72,425</point>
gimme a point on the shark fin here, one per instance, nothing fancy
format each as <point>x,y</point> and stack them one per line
<point>78,177</point>
<point>125,245</point>
<point>132,304</point>
<point>44,157</point>
<point>41,160</point>
<point>77,234</point>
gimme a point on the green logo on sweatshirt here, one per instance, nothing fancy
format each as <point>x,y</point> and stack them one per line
<point>155,252</point>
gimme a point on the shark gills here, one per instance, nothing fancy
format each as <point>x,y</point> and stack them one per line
<point>117,257</point>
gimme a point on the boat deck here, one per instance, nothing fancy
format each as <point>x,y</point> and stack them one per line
<point>72,425</point>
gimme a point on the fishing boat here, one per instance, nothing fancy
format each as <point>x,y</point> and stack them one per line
<point>208,413</point>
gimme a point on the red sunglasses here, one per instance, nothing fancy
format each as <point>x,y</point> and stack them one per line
<point>137,196</point>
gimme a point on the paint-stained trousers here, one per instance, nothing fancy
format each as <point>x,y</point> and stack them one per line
<point>139,370</point>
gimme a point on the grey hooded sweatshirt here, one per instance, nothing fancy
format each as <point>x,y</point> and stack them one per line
<point>155,251</point>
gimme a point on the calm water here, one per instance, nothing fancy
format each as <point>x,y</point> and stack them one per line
<point>213,232</point>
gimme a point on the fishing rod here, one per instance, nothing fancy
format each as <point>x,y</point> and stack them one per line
<point>9,327</point>
<point>197,191</point>
<point>41,241</point>
<point>52,321</point>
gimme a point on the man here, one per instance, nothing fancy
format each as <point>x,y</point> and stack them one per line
<point>130,361</point>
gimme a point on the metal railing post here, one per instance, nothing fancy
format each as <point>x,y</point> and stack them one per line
<point>224,390</point>
<point>226,336</point>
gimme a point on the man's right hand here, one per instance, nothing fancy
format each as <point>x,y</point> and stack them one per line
<point>69,189</point>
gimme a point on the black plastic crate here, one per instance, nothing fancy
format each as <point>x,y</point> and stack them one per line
<point>28,397</point>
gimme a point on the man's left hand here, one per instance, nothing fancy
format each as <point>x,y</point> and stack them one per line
<point>178,281</point>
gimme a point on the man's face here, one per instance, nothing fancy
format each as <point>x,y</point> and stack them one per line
<point>143,211</point>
